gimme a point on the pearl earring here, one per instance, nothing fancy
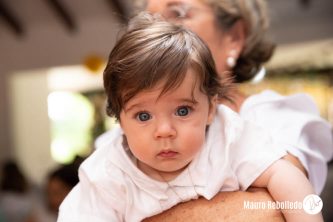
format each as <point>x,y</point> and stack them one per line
<point>231,61</point>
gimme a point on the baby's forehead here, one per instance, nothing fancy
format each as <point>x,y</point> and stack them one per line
<point>168,81</point>
<point>153,97</point>
<point>164,84</point>
<point>189,83</point>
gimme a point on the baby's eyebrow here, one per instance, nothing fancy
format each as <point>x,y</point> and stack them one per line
<point>188,100</point>
<point>129,108</point>
<point>141,104</point>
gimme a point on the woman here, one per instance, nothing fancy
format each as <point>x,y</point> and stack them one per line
<point>234,30</point>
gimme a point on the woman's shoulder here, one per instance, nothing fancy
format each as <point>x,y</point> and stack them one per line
<point>291,115</point>
<point>270,101</point>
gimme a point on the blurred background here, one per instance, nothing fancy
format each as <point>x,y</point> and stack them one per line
<point>52,54</point>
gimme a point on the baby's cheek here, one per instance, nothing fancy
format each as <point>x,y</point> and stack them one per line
<point>195,140</point>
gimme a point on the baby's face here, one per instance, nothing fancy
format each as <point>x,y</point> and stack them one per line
<point>165,132</point>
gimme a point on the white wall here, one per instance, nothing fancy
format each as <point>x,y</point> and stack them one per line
<point>30,123</point>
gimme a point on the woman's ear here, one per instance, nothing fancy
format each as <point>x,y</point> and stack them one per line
<point>237,38</point>
<point>212,109</point>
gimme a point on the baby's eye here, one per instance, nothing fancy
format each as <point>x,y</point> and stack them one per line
<point>183,111</point>
<point>143,116</point>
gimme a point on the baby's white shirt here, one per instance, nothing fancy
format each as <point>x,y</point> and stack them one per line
<point>112,188</point>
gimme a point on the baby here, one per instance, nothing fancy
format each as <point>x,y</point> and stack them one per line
<point>174,143</point>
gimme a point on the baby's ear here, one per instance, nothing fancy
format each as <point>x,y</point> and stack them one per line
<point>212,109</point>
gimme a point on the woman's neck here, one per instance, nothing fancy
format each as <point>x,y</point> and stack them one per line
<point>237,100</point>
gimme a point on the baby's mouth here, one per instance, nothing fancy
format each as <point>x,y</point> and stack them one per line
<point>167,154</point>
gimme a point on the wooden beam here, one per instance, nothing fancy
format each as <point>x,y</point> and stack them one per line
<point>305,3</point>
<point>9,17</point>
<point>120,8</point>
<point>63,14</point>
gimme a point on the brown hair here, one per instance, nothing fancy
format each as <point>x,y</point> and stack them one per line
<point>253,13</point>
<point>152,50</point>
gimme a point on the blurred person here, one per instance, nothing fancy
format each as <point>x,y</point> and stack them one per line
<point>59,183</point>
<point>15,197</point>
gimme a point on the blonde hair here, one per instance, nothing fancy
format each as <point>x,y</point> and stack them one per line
<point>257,48</point>
<point>253,13</point>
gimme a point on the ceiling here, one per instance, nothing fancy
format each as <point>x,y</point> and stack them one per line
<point>292,20</point>
<point>18,15</point>
<point>43,33</point>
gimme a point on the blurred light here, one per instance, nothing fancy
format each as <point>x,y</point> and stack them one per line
<point>94,63</point>
<point>56,109</point>
<point>68,106</point>
<point>71,117</point>
<point>61,151</point>
<point>74,79</point>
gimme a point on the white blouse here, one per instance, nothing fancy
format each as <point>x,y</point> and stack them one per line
<point>295,123</point>
<point>112,188</point>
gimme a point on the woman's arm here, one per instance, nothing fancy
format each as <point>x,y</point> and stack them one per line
<point>225,206</point>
